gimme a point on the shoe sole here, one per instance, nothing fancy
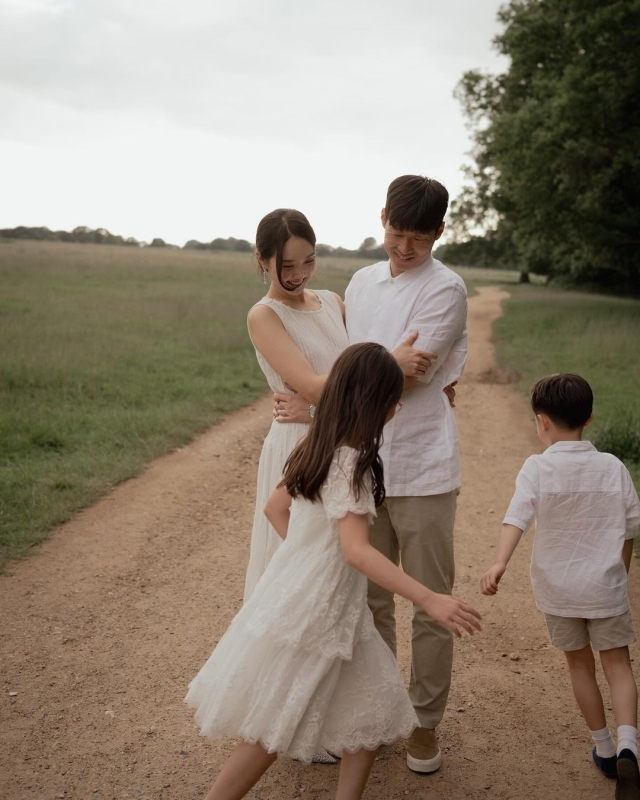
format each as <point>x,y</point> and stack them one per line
<point>424,766</point>
<point>628,787</point>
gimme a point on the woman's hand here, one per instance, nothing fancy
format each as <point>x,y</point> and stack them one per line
<point>450,391</point>
<point>414,363</point>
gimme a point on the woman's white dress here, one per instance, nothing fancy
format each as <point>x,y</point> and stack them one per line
<point>321,337</point>
<point>302,666</point>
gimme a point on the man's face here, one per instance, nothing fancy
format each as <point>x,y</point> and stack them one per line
<point>407,249</point>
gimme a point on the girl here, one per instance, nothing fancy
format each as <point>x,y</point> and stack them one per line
<point>302,666</point>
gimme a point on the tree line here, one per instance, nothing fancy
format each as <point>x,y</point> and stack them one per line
<point>554,183</point>
<point>369,247</point>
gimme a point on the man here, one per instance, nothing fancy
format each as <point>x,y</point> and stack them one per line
<point>388,302</point>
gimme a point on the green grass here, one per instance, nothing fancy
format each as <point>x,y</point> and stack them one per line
<point>111,356</point>
<point>546,330</point>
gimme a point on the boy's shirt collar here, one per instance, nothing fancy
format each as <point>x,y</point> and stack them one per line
<point>573,447</point>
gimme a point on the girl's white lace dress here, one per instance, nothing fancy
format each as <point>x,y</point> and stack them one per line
<point>302,666</point>
<point>321,337</point>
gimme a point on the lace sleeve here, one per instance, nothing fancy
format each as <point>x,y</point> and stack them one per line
<point>337,493</point>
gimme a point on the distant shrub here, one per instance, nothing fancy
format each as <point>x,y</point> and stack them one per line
<point>619,436</point>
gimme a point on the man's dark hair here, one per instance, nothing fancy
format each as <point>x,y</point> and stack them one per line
<point>416,203</point>
<point>565,398</point>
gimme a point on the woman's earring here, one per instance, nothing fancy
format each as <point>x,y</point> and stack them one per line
<point>264,276</point>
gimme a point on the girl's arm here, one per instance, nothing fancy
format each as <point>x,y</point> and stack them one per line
<point>509,540</point>
<point>270,338</point>
<point>277,510</point>
<point>353,530</point>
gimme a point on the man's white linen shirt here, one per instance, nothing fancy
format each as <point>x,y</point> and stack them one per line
<point>585,507</point>
<point>420,450</point>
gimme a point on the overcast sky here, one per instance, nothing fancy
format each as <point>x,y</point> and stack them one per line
<point>191,119</point>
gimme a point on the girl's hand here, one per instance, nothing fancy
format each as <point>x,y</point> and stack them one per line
<point>491,578</point>
<point>451,612</point>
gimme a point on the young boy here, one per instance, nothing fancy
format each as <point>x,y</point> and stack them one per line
<point>587,513</point>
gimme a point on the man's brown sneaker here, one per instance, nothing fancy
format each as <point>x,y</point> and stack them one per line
<point>423,753</point>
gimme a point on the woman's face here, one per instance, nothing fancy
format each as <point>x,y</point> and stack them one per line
<point>298,266</point>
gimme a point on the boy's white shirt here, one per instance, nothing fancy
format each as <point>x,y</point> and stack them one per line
<point>585,507</point>
<point>420,450</point>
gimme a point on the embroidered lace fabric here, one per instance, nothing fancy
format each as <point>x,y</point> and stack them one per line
<point>302,666</point>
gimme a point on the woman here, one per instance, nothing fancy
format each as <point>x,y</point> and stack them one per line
<point>298,334</point>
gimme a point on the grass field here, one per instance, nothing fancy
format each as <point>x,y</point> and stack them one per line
<point>544,330</point>
<point>111,356</point>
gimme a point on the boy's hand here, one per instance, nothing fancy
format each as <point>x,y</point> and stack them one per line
<point>451,612</point>
<point>491,578</point>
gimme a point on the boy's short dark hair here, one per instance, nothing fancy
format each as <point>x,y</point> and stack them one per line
<point>565,398</point>
<point>416,203</point>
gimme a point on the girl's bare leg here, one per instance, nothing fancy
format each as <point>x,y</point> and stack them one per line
<point>354,773</point>
<point>242,770</point>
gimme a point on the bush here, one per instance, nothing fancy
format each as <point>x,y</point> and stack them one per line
<point>621,437</point>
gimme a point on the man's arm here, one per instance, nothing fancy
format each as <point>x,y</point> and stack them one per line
<point>440,321</point>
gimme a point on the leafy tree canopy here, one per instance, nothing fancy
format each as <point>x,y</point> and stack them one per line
<point>556,173</point>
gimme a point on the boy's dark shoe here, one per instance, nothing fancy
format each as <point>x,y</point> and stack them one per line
<point>607,766</point>
<point>628,785</point>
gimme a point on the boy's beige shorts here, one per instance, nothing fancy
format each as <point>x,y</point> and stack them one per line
<point>604,633</point>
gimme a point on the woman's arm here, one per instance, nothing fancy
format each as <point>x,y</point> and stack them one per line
<point>277,510</point>
<point>271,339</point>
<point>353,530</point>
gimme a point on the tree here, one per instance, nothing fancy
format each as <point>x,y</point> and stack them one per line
<point>556,173</point>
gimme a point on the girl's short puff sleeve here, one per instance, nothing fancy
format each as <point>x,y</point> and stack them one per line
<point>337,493</point>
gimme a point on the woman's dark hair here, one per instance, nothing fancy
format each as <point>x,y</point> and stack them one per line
<point>275,230</point>
<point>565,398</point>
<point>415,203</point>
<point>364,384</point>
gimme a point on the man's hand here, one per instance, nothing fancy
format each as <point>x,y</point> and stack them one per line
<point>414,363</point>
<point>451,612</point>
<point>450,391</point>
<point>491,578</point>
<point>290,408</point>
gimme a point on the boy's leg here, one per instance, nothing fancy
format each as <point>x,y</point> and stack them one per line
<point>354,773</point>
<point>582,670</point>
<point>381,602</point>
<point>242,770</point>
<point>624,693</point>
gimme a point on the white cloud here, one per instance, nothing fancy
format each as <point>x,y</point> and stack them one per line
<point>193,119</point>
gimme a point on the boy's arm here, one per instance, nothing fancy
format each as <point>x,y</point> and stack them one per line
<point>277,510</point>
<point>509,539</point>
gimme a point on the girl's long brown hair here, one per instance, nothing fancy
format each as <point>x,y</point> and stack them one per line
<point>364,384</point>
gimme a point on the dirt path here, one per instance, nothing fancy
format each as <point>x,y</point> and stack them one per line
<point>104,625</point>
